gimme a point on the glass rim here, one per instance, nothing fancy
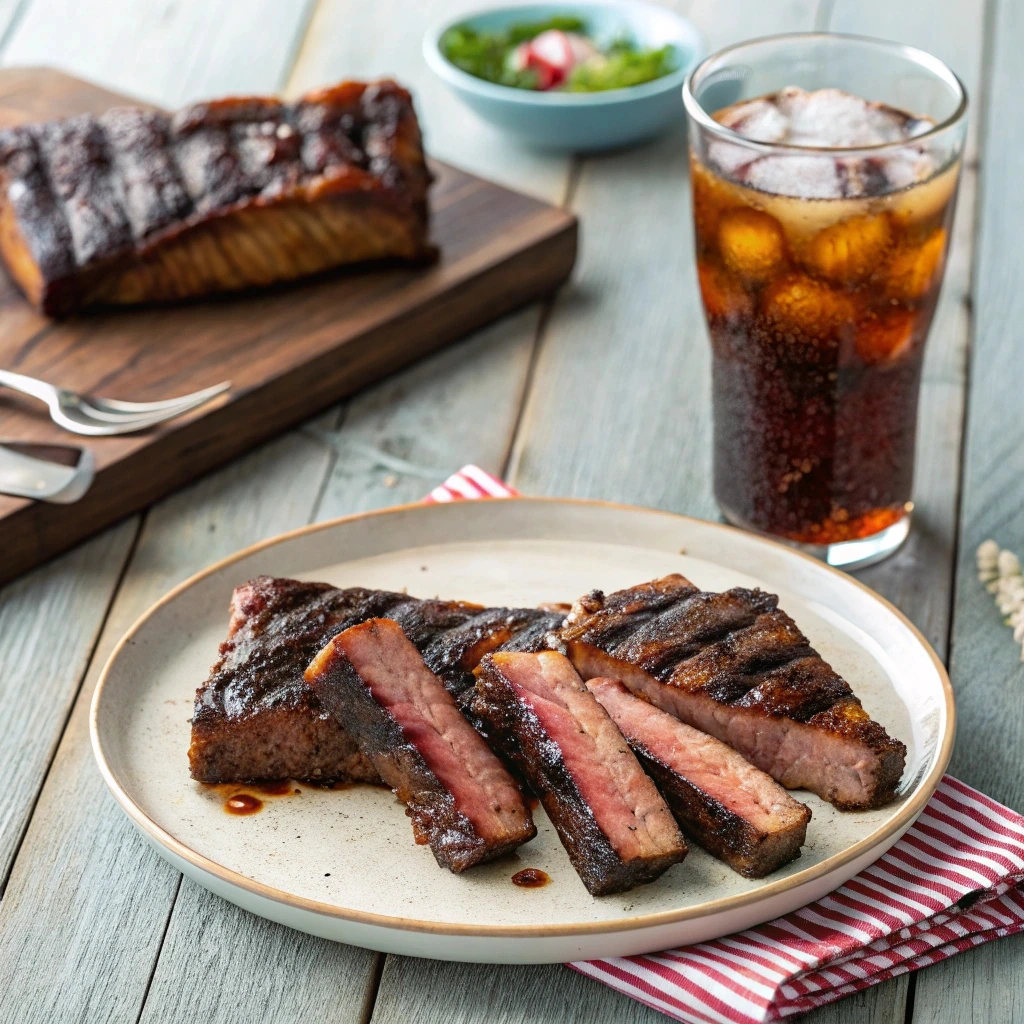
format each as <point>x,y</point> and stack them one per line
<point>928,61</point>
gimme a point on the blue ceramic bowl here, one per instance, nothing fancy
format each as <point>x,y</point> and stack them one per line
<point>579,122</point>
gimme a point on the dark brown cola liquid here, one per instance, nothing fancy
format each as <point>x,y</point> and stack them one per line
<point>818,305</point>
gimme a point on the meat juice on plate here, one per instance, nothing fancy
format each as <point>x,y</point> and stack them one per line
<point>819,275</point>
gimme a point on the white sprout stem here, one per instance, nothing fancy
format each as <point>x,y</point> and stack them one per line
<point>1000,571</point>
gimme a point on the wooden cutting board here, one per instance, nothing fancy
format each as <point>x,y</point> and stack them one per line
<point>289,352</point>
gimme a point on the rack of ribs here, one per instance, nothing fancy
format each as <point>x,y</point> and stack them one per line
<point>142,206</point>
<point>460,797</point>
<point>255,718</point>
<point>730,664</point>
<point>611,819</point>
<point>735,666</point>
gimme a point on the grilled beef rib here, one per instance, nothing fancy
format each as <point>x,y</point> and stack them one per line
<point>612,821</point>
<point>255,718</point>
<point>721,801</point>
<point>461,799</point>
<point>143,206</point>
<point>735,666</point>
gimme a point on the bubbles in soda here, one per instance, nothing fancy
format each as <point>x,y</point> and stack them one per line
<point>819,274</point>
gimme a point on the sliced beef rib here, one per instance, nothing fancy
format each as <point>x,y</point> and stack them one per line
<point>721,801</point>
<point>735,666</point>
<point>612,821</point>
<point>460,797</point>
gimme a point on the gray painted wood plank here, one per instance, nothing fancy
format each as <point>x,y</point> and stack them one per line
<point>986,984</point>
<point>164,51</point>
<point>49,621</point>
<point>430,990</point>
<point>401,438</point>
<point>219,963</point>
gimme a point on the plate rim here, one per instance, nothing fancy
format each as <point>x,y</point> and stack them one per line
<point>155,833</point>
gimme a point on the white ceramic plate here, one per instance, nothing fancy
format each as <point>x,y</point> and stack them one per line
<point>342,864</point>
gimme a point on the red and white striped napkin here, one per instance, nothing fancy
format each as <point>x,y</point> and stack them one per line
<point>955,880</point>
<point>469,483</point>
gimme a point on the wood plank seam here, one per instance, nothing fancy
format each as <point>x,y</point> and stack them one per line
<point>159,949</point>
<point>374,988</point>
<point>547,308</point>
<point>823,15</point>
<point>73,700</point>
<point>298,41</point>
<point>332,460</point>
<point>979,111</point>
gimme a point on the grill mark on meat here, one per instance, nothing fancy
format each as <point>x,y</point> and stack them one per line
<point>724,804</point>
<point>760,687</point>
<point>421,621</point>
<point>728,668</point>
<point>151,187</point>
<point>534,637</point>
<point>454,654</point>
<point>255,718</point>
<point>461,799</point>
<point>688,626</point>
<point>605,619</point>
<point>137,206</point>
<point>798,689</point>
<point>613,823</point>
<point>77,162</point>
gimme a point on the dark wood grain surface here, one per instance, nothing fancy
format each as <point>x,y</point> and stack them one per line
<point>288,351</point>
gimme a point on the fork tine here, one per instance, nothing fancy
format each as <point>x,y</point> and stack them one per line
<point>88,419</point>
<point>82,421</point>
<point>113,408</point>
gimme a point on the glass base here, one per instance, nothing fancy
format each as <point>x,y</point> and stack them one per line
<point>848,554</point>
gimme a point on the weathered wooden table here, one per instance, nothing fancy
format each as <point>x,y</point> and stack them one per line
<point>93,925</point>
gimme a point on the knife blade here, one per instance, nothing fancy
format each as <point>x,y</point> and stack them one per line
<point>46,472</point>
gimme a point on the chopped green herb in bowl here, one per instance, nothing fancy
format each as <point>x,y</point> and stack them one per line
<point>571,76</point>
<point>557,53</point>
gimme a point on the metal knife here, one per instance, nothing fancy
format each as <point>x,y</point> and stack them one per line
<point>46,472</point>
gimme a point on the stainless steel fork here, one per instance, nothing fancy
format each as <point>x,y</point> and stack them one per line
<point>102,417</point>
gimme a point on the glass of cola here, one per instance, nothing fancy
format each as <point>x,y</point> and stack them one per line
<point>824,172</point>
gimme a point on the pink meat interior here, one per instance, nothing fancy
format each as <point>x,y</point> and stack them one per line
<point>706,763</point>
<point>394,672</point>
<point>627,806</point>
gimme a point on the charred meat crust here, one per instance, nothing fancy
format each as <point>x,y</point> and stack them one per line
<point>255,718</point>
<point>515,730</point>
<point>736,666</point>
<point>402,761</point>
<point>139,205</point>
<point>723,833</point>
<point>453,655</point>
